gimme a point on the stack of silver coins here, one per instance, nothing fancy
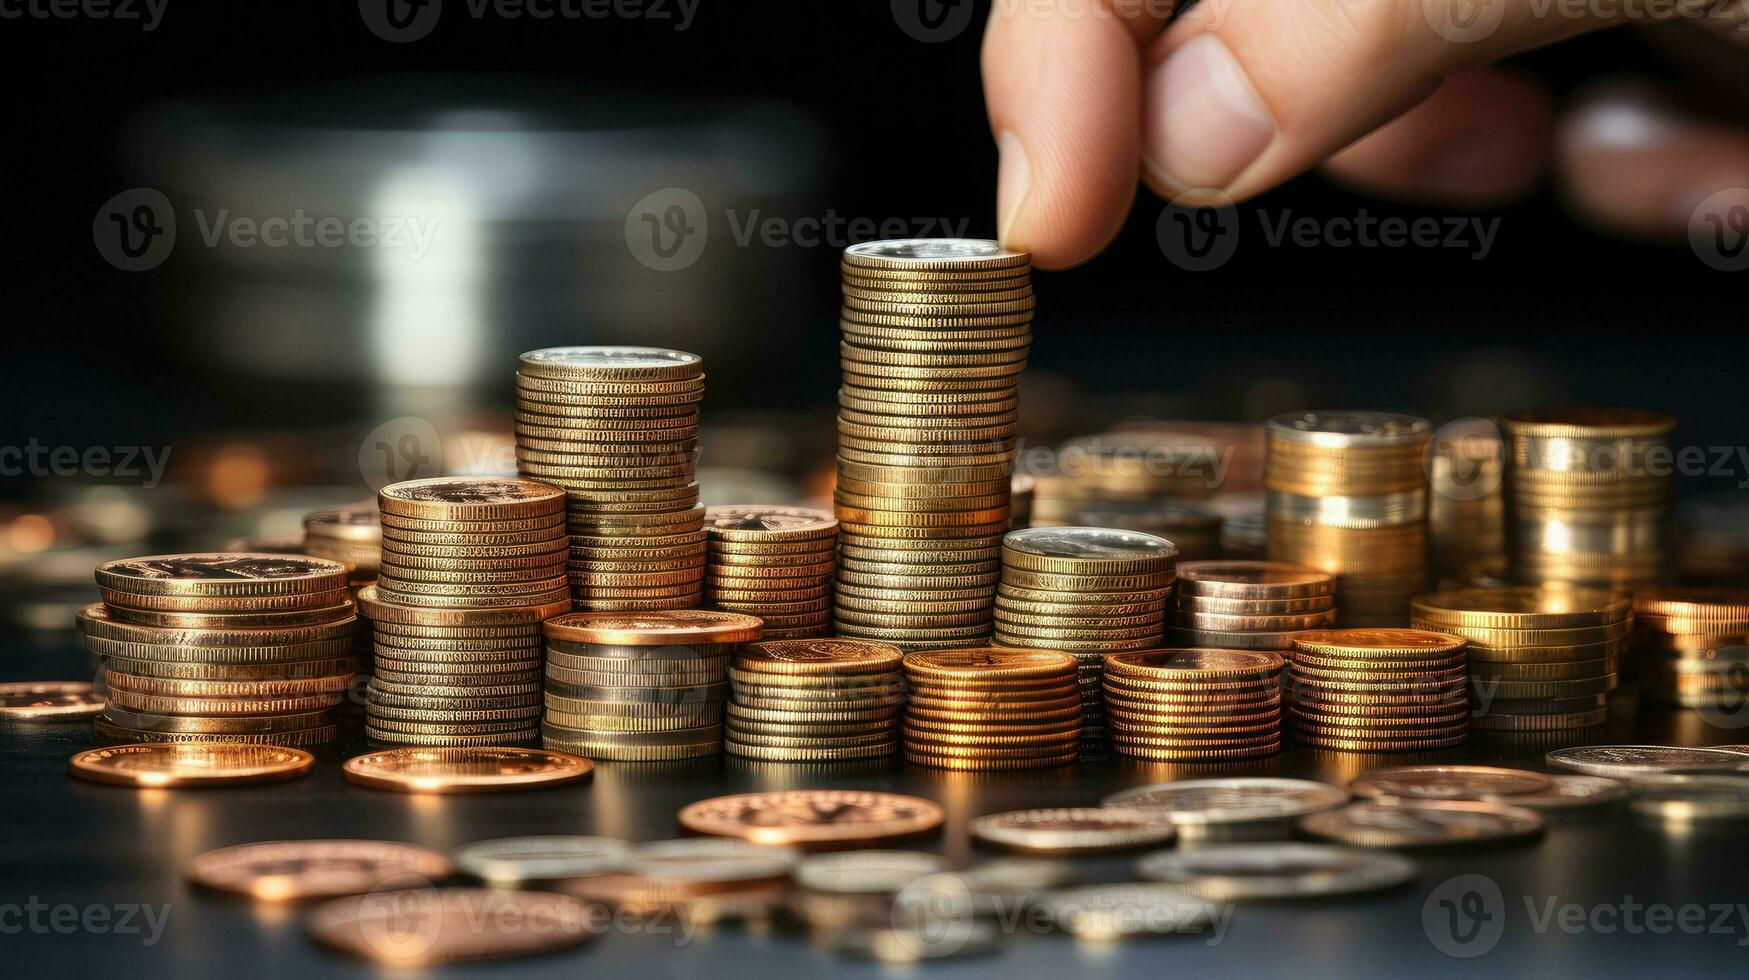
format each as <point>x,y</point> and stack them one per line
<point>1466,512</point>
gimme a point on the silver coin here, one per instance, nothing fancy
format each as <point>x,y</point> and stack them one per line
<point>931,249</point>
<point>915,943</point>
<point>1234,799</point>
<point>1625,761</point>
<point>1340,430</point>
<point>1423,823</point>
<point>1447,783</point>
<point>1277,870</point>
<point>1073,830</point>
<point>710,859</point>
<point>1569,793</point>
<point>1088,542</point>
<point>872,872</point>
<point>1113,911</point>
<point>1018,877</point>
<point>513,860</point>
<point>619,358</point>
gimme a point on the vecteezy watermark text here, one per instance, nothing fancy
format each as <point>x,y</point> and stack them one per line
<point>402,21</point>
<point>1467,915</point>
<point>147,13</point>
<point>1201,230</point>
<point>41,918</point>
<point>35,459</point>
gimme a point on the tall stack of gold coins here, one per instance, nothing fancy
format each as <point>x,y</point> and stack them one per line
<point>1194,705</point>
<point>470,566</point>
<point>935,337</point>
<point>1348,495</point>
<point>1249,605</point>
<point>1195,533</point>
<point>990,708</point>
<point>1691,648</point>
<point>1085,591</point>
<point>1466,511</point>
<point>819,700</point>
<point>641,687</point>
<point>1378,690</point>
<point>1540,659</point>
<point>775,563</point>
<point>353,537</point>
<point>1589,492</point>
<point>221,647</point>
<point>617,429</point>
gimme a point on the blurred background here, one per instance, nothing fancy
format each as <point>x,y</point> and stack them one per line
<point>491,184</point>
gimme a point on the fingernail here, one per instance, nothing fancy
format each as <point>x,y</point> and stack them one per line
<point>1205,122</point>
<point>1013,178</point>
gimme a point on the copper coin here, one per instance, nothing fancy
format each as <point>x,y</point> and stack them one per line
<point>291,870</point>
<point>168,765</point>
<point>1448,783</point>
<point>679,626</point>
<point>472,769</point>
<point>1073,830</point>
<point>48,700</point>
<point>220,575</point>
<point>433,926</point>
<point>813,817</point>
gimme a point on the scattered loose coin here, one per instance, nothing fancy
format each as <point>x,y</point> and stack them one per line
<point>514,861</point>
<point>1270,871</point>
<point>172,765</point>
<point>813,817</point>
<point>419,927</point>
<point>296,870</point>
<point>1238,805</point>
<point>49,700</point>
<point>1627,761</point>
<point>1569,793</point>
<point>1115,911</point>
<point>473,769</point>
<point>1423,823</point>
<point>1072,830</point>
<point>1448,783</point>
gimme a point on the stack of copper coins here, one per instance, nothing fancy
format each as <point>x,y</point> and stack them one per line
<point>935,337</point>
<point>1589,494</point>
<point>775,563</point>
<point>1466,511</point>
<point>1540,659</point>
<point>1348,495</point>
<point>221,647</point>
<point>1195,533</point>
<point>1086,591</point>
<point>991,708</point>
<point>617,428</point>
<point>454,676</point>
<point>1249,605</point>
<point>1378,690</point>
<point>354,537</point>
<point>816,700</point>
<point>641,687</point>
<point>1194,705</point>
<point>1691,647</point>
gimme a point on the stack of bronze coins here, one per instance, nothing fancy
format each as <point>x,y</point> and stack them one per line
<point>1589,497</point>
<point>991,708</point>
<point>617,428</point>
<point>470,566</point>
<point>1195,533</point>
<point>1691,648</point>
<point>1086,591</point>
<point>221,647</point>
<point>775,563</point>
<point>1540,659</point>
<point>1466,510</point>
<point>1378,690</point>
<point>354,537</point>
<point>641,687</point>
<point>1348,495</point>
<point>1249,605</point>
<point>815,700</point>
<point>455,676</point>
<point>1194,705</point>
<point>935,337</point>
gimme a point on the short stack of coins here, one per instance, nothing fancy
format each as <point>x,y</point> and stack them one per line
<point>1178,705</point>
<point>640,686</point>
<point>1195,533</point>
<point>617,429</point>
<point>354,537</point>
<point>1691,648</point>
<point>818,700</point>
<point>1540,659</point>
<point>1466,511</point>
<point>775,563</point>
<point>935,337</point>
<point>1589,497</point>
<point>454,676</point>
<point>1348,495</point>
<point>470,566</point>
<point>1239,604</point>
<point>1088,592</point>
<point>990,708</point>
<point>222,647</point>
<point>1378,690</point>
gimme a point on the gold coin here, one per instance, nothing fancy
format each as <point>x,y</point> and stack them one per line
<point>470,499</point>
<point>1389,643</point>
<point>192,724</point>
<point>222,576</point>
<point>173,765</point>
<point>1253,580</point>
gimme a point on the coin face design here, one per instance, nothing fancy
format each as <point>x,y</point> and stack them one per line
<point>1591,606</point>
<point>995,661</point>
<point>710,860</point>
<point>218,567</point>
<point>1073,830</point>
<point>1623,761</point>
<point>1344,429</point>
<point>1377,640</point>
<point>1567,792</point>
<point>845,653</point>
<point>473,769</point>
<point>803,817</point>
<point>49,700</point>
<point>1112,911</point>
<point>168,765</point>
<point>1088,542</point>
<point>468,490</point>
<point>1227,873</point>
<point>303,869</point>
<point>933,250</point>
<point>1237,799</point>
<point>512,860</point>
<point>648,628</point>
<point>768,518</point>
<point>1422,823</point>
<point>434,926</point>
<point>867,872</point>
<point>1206,662</point>
<point>1448,783</point>
<point>633,359</point>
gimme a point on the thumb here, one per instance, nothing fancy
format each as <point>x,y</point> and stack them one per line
<point>1240,95</point>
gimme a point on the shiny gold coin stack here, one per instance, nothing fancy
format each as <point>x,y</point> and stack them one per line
<point>775,563</point>
<point>1088,592</point>
<point>1249,605</point>
<point>990,708</point>
<point>820,700</point>
<point>617,428</point>
<point>1466,511</point>
<point>354,537</point>
<point>1188,705</point>
<point>1691,647</point>
<point>1195,533</point>
<point>452,676</point>
<point>1541,659</point>
<point>471,542</point>
<point>1589,496</point>
<point>221,647</point>
<point>641,686</point>
<point>935,337</point>
<point>1348,495</point>
<point>1378,690</point>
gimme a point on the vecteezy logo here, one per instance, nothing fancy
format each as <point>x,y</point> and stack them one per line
<point>400,21</point>
<point>1726,704</point>
<point>667,230</point>
<point>407,448</point>
<point>1718,230</point>
<point>933,21</point>
<point>1464,21</point>
<point>135,230</point>
<point>1465,916</point>
<point>1200,236</point>
<point>1466,459</point>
